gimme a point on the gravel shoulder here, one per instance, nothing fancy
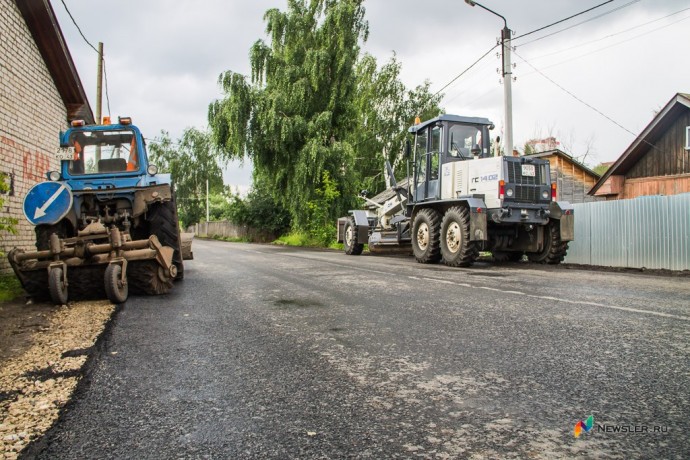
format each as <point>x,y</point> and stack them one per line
<point>43,349</point>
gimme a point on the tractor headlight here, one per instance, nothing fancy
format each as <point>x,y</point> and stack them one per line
<point>509,192</point>
<point>152,170</point>
<point>54,176</point>
<point>545,195</point>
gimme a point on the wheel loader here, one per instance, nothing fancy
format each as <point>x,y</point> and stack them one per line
<point>106,222</point>
<point>459,200</point>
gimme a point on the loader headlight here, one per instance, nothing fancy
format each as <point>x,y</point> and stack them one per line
<point>545,195</point>
<point>54,176</point>
<point>509,192</point>
<point>152,170</point>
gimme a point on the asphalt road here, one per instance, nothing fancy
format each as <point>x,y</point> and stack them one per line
<point>271,352</point>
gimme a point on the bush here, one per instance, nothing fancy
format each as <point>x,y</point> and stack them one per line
<point>10,288</point>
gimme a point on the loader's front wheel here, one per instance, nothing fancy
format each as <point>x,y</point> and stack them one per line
<point>352,247</point>
<point>426,236</point>
<point>456,247</point>
<point>115,288</point>
<point>57,286</point>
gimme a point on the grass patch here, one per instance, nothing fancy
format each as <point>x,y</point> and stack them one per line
<point>10,287</point>
<point>230,239</point>
<point>302,240</point>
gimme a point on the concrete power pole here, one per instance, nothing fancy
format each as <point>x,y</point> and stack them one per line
<point>507,73</point>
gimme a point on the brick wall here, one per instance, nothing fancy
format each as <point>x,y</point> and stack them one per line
<point>31,115</point>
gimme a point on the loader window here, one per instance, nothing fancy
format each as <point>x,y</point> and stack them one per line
<point>434,151</point>
<point>462,139</point>
<point>420,156</point>
<point>99,152</point>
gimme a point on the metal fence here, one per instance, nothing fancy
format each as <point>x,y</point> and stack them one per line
<point>649,231</point>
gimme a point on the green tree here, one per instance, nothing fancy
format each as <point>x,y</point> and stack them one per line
<point>293,118</point>
<point>7,224</point>
<point>601,168</point>
<point>191,162</point>
<point>315,116</point>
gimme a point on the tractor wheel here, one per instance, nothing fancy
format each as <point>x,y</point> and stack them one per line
<point>57,286</point>
<point>115,289</point>
<point>163,223</point>
<point>148,277</point>
<point>426,235</point>
<point>352,247</point>
<point>456,247</point>
<point>507,256</point>
<point>554,248</point>
<point>43,233</point>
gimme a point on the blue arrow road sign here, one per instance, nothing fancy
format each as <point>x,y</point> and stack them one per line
<point>47,203</point>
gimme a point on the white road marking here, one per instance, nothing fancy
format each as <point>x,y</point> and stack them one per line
<point>554,299</point>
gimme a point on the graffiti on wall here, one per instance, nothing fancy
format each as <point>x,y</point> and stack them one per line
<point>34,165</point>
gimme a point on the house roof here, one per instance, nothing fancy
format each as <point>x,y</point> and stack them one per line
<point>562,154</point>
<point>43,25</point>
<point>654,130</point>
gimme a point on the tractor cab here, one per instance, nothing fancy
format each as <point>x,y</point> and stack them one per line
<point>441,140</point>
<point>103,156</point>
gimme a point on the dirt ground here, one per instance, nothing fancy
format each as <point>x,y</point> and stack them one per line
<point>43,348</point>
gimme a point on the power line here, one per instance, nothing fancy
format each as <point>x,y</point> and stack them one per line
<point>584,103</point>
<point>562,20</point>
<point>606,47</point>
<point>107,96</point>
<point>614,34</point>
<point>463,72</point>
<point>580,23</point>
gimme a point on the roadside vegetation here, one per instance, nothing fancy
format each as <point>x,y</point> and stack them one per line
<point>10,288</point>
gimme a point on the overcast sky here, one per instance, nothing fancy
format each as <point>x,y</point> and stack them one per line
<point>163,60</point>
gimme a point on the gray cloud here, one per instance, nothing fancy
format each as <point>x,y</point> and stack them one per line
<point>163,59</point>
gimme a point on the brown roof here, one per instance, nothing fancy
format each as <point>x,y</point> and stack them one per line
<point>562,154</point>
<point>654,130</point>
<point>42,23</point>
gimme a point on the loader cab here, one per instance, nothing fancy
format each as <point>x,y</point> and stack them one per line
<point>442,140</point>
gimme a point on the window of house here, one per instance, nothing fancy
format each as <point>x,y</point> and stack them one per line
<point>687,138</point>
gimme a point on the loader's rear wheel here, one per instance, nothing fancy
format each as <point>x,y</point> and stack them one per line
<point>554,248</point>
<point>456,247</point>
<point>426,244</point>
<point>57,286</point>
<point>163,223</point>
<point>352,247</point>
<point>507,256</point>
<point>116,290</point>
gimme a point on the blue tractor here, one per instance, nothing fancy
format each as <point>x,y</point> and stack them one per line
<point>106,224</point>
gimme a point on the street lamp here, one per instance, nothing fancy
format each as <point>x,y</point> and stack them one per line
<point>507,80</point>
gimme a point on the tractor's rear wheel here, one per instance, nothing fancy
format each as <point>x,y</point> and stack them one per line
<point>116,290</point>
<point>456,247</point>
<point>554,250</point>
<point>352,247</point>
<point>163,223</point>
<point>148,277</point>
<point>426,230</point>
<point>57,286</point>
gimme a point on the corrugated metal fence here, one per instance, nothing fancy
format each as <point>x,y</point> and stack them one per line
<point>649,231</point>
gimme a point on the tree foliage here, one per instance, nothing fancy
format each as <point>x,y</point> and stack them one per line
<point>191,162</point>
<point>315,117</point>
<point>7,224</point>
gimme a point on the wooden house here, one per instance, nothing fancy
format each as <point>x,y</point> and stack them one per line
<point>573,179</point>
<point>658,160</point>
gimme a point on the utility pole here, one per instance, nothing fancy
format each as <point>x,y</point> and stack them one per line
<point>207,213</point>
<point>99,94</point>
<point>507,75</point>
